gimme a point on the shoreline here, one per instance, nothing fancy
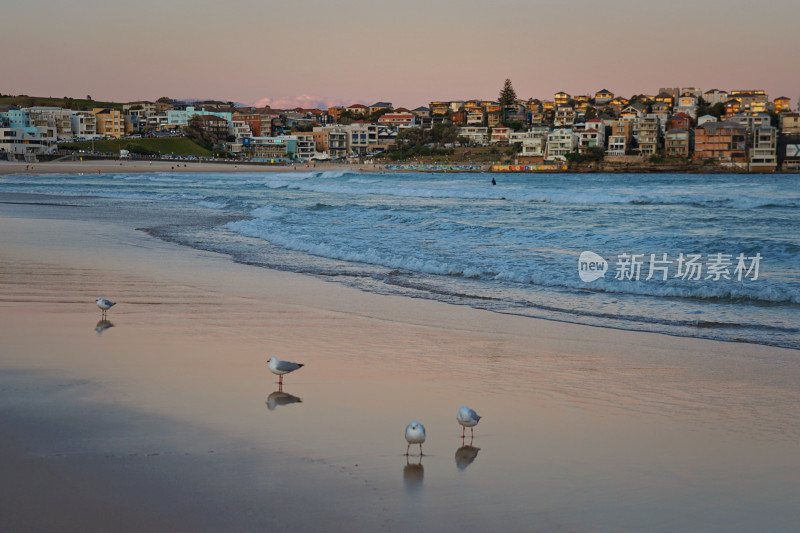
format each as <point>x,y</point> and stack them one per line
<point>130,166</point>
<point>165,418</point>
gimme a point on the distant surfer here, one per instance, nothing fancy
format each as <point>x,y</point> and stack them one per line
<point>494,182</point>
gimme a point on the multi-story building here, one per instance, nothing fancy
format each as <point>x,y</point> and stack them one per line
<point>593,135</point>
<point>84,124</point>
<point>677,142</point>
<point>439,108</point>
<point>619,143</point>
<point>268,149</point>
<point>398,120</point>
<point>380,106</point>
<point>110,122</point>
<point>724,141</point>
<point>500,135</point>
<point>603,96</point>
<point>764,153</point>
<point>477,135</point>
<point>18,137</point>
<point>680,121</point>
<point>560,142</point>
<point>789,151</point>
<point>790,123</point>
<point>565,116</point>
<point>749,97</point>
<point>561,98</point>
<point>715,96</point>
<point>475,116</point>
<point>686,103</point>
<point>732,107</point>
<point>422,112</point>
<point>649,135</point>
<point>49,117</point>
<point>331,140</point>
<point>667,98</point>
<point>358,109</point>
<point>782,104</point>
<point>361,138</point>
<point>751,120</point>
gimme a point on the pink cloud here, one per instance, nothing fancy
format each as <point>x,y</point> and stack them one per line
<point>306,101</point>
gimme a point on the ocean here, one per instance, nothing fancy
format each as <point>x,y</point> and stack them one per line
<point>712,256</point>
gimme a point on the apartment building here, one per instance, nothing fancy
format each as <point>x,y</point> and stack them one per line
<point>724,141</point>
<point>764,152</point>
<point>677,142</point>
<point>560,142</point>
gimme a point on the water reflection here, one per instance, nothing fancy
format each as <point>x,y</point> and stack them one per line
<point>281,398</point>
<point>413,473</point>
<point>103,325</point>
<point>465,455</point>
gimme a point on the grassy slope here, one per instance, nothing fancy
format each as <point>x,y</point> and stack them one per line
<point>164,145</point>
<point>77,104</point>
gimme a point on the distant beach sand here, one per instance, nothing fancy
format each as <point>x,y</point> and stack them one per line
<point>168,419</point>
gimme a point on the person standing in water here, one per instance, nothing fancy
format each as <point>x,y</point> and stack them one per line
<point>494,182</point>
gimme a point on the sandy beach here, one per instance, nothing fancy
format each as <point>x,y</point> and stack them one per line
<point>137,166</point>
<point>167,419</point>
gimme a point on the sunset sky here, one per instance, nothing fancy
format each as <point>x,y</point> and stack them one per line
<point>315,53</point>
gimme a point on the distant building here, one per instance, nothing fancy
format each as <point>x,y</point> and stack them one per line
<point>500,135</point>
<point>706,118</point>
<point>474,134</point>
<point>380,106</point>
<point>603,96</point>
<point>110,122</point>
<point>677,142</point>
<point>561,98</point>
<point>680,121</point>
<point>715,96</point>
<point>565,116</point>
<point>724,141</point>
<point>751,120</point>
<point>783,104</point>
<point>790,123</point>
<point>358,109</point>
<point>561,142</point>
<point>686,103</point>
<point>398,120</point>
<point>763,154</point>
<point>789,151</point>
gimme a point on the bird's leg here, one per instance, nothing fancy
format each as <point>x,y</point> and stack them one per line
<point>408,448</point>
<point>280,386</point>
<point>280,380</point>
<point>420,450</point>
<point>463,429</point>
<point>472,432</point>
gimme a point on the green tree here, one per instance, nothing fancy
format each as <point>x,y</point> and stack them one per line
<point>507,95</point>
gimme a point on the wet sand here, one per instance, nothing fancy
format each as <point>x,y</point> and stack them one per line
<point>170,421</point>
<point>133,165</point>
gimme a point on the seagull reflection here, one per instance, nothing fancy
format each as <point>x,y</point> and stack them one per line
<point>413,475</point>
<point>465,455</point>
<point>281,398</point>
<point>102,326</point>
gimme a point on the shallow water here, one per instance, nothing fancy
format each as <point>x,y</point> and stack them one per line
<point>510,248</point>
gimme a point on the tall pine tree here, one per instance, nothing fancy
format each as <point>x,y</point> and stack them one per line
<point>507,95</point>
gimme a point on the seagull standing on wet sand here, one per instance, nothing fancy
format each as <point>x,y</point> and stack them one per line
<point>282,367</point>
<point>468,419</point>
<point>104,304</point>
<point>415,434</point>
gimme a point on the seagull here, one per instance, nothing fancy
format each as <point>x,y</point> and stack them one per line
<point>415,434</point>
<point>282,367</point>
<point>104,304</point>
<point>468,419</point>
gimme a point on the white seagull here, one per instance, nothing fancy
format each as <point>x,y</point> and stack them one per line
<point>468,419</point>
<point>282,367</point>
<point>104,304</point>
<point>415,434</point>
